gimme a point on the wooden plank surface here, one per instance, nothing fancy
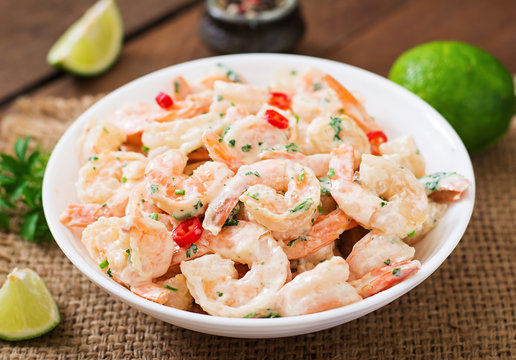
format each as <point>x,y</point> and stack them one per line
<point>365,33</point>
<point>28,28</point>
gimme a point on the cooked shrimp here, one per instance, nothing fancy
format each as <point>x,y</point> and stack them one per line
<point>133,251</point>
<point>385,277</point>
<point>376,250</point>
<point>388,198</point>
<point>352,106</point>
<point>220,151</point>
<point>181,88</point>
<point>257,186</point>
<point>98,137</point>
<point>445,186</point>
<point>108,177</point>
<point>322,288</point>
<point>298,266</point>
<point>404,152</point>
<point>434,213</point>
<point>319,163</point>
<point>326,133</point>
<point>221,72</point>
<point>141,204</point>
<point>245,139</point>
<point>227,93</point>
<point>179,195</point>
<point>81,215</point>
<point>183,134</point>
<point>213,282</point>
<point>325,230</point>
<point>179,296</point>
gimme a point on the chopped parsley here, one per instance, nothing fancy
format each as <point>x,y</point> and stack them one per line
<point>233,76</point>
<point>255,173</point>
<point>231,221</point>
<point>417,152</point>
<point>104,264</point>
<point>430,182</point>
<point>255,196</point>
<point>193,248</point>
<point>179,191</point>
<point>232,142</point>
<point>154,216</point>
<point>145,148</point>
<point>154,189</point>
<point>221,114</point>
<point>335,123</point>
<point>219,98</point>
<point>383,203</point>
<point>260,143</point>
<point>273,315</point>
<point>170,287</point>
<point>317,86</point>
<point>219,294</point>
<point>292,147</point>
<point>226,129</point>
<point>302,175</point>
<point>105,130</point>
<point>250,315</point>
<point>331,173</point>
<point>291,242</point>
<point>246,148</point>
<point>109,272</point>
<point>103,205</point>
<point>93,158</point>
<point>198,205</point>
<point>396,272</point>
<point>293,72</point>
<point>177,84</point>
<point>319,208</point>
<point>387,262</point>
<point>411,233</point>
<point>297,118</point>
<point>303,205</point>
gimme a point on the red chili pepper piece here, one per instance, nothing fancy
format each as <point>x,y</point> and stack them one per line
<point>376,138</point>
<point>164,101</point>
<point>187,232</point>
<point>276,119</point>
<point>279,100</point>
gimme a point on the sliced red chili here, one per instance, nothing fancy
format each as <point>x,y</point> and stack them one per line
<point>276,119</point>
<point>187,232</point>
<point>376,138</point>
<point>164,101</point>
<point>279,100</point>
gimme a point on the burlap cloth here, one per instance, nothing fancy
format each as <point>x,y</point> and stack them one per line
<point>466,309</point>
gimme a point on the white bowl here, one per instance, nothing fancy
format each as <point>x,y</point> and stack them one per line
<point>397,110</point>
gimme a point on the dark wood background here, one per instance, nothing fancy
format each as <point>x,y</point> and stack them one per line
<point>158,33</point>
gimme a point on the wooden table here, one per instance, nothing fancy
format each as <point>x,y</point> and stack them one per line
<point>158,33</point>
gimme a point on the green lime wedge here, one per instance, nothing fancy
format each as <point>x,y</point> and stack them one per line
<point>27,309</point>
<point>92,44</point>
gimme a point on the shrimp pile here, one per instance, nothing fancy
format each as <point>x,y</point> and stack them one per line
<point>234,200</point>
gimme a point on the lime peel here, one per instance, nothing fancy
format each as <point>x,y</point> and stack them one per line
<point>92,44</point>
<point>27,309</point>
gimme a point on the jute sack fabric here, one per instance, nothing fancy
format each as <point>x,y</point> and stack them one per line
<point>465,310</point>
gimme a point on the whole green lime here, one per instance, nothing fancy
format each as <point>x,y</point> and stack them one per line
<point>467,85</point>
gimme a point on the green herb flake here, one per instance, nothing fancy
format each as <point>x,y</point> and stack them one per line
<point>303,205</point>
<point>219,294</point>
<point>260,143</point>
<point>411,233</point>
<point>232,103</point>
<point>317,86</point>
<point>232,142</point>
<point>198,205</point>
<point>319,208</point>
<point>251,314</point>
<point>255,196</point>
<point>109,272</point>
<point>145,148</point>
<point>387,262</point>
<point>170,287</point>
<point>231,221</point>
<point>324,182</point>
<point>123,180</point>
<point>335,123</point>
<point>262,263</point>
<point>233,76</point>
<point>273,315</point>
<point>179,191</point>
<point>292,147</point>
<point>220,98</point>
<point>193,248</point>
<point>302,174</point>
<point>291,242</point>
<point>331,173</point>
<point>246,148</point>
<point>226,129</point>
<point>128,251</point>
<point>293,72</point>
<point>103,205</point>
<point>383,203</point>
<point>104,264</point>
<point>154,216</point>
<point>396,272</point>
<point>177,84</point>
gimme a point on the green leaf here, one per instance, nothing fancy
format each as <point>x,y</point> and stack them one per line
<point>20,147</point>
<point>4,221</point>
<point>28,226</point>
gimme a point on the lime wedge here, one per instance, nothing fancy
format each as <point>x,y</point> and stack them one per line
<point>92,44</point>
<point>27,309</point>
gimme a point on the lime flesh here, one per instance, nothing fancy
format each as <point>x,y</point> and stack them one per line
<point>27,309</point>
<point>92,44</point>
<point>467,85</point>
